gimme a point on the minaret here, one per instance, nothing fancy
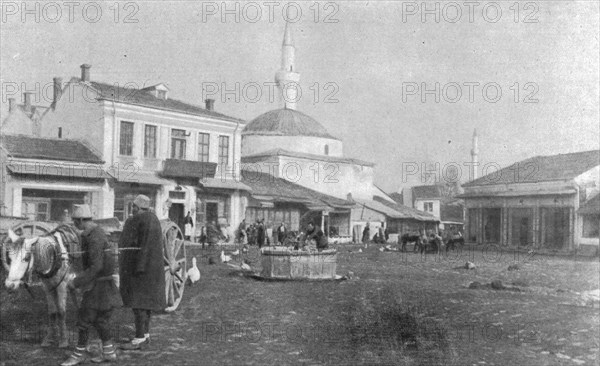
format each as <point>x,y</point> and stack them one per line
<point>287,78</point>
<point>475,154</point>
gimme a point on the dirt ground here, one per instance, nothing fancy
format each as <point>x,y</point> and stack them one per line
<point>400,308</point>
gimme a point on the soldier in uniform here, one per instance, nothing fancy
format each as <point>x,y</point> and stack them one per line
<point>142,269</point>
<point>100,292</point>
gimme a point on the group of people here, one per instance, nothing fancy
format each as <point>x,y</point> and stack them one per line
<point>380,237</point>
<point>141,277</point>
<point>258,233</point>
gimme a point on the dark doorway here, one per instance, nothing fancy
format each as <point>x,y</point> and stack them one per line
<point>176,214</point>
<point>491,226</point>
<point>212,212</point>
<point>556,227</point>
<point>521,220</point>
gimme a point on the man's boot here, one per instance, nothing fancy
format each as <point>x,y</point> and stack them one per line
<point>80,355</point>
<point>135,344</point>
<point>109,354</point>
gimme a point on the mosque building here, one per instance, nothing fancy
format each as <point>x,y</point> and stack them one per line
<point>294,147</point>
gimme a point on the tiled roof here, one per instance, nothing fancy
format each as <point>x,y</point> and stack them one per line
<point>147,99</point>
<point>398,197</point>
<point>286,122</point>
<point>431,191</point>
<point>400,211</point>
<point>542,169</point>
<point>295,154</point>
<point>20,146</point>
<point>281,190</point>
<point>591,206</point>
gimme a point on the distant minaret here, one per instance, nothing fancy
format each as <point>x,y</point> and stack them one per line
<point>287,74</point>
<point>475,154</point>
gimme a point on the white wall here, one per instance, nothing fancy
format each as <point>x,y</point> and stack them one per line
<point>80,116</point>
<point>420,205</point>
<point>254,144</point>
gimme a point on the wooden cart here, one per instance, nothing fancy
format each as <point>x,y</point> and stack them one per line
<point>173,250</point>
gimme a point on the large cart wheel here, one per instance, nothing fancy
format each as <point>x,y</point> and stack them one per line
<point>28,229</point>
<point>174,254</point>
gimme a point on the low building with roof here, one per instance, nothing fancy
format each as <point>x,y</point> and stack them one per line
<point>42,178</point>
<point>539,202</point>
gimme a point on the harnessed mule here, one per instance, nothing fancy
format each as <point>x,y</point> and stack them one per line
<point>48,257</point>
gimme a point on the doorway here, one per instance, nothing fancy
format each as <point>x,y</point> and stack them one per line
<point>491,226</point>
<point>212,212</point>
<point>556,227</point>
<point>521,221</point>
<point>176,214</point>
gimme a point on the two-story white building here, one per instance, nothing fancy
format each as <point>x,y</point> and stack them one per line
<point>155,145</point>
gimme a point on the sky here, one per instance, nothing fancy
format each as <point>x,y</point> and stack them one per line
<point>524,74</point>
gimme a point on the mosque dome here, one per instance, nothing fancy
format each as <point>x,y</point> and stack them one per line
<point>285,122</point>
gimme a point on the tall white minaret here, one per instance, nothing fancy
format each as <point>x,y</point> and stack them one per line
<point>475,154</point>
<point>287,78</point>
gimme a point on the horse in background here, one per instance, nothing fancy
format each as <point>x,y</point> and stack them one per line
<point>410,238</point>
<point>48,257</point>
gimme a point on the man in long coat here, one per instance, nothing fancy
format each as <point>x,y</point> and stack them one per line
<point>100,292</point>
<point>142,269</point>
<point>260,233</point>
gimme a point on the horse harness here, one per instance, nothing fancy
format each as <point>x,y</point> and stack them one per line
<point>43,249</point>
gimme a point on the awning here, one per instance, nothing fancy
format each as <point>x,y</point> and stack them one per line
<point>545,192</point>
<point>223,184</point>
<point>319,208</point>
<point>140,177</point>
<point>261,203</point>
<point>87,171</point>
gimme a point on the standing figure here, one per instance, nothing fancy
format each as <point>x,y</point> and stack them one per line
<point>203,236</point>
<point>366,235</point>
<point>260,234</point>
<point>281,233</point>
<point>381,234</point>
<point>142,269</point>
<point>188,225</point>
<point>242,235</point>
<point>100,292</point>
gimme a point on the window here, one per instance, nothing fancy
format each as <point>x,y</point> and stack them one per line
<point>591,226</point>
<point>223,150</point>
<point>150,142</point>
<point>178,144</point>
<point>203,146</point>
<point>428,206</point>
<point>126,145</point>
<point>36,210</point>
<point>162,94</point>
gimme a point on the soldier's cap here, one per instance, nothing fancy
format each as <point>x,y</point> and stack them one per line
<point>81,212</point>
<point>142,201</point>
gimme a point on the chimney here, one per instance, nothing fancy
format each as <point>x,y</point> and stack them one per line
<point>27,101</point>
<point>210,104</point>
<point>12,103</point>
<point>57,90</point>
<point>85,72</point>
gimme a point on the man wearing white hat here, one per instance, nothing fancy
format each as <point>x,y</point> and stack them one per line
<point>142,269</point>
<point>100,293</point>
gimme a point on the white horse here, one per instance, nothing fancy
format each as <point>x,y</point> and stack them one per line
<point>48,258</point>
